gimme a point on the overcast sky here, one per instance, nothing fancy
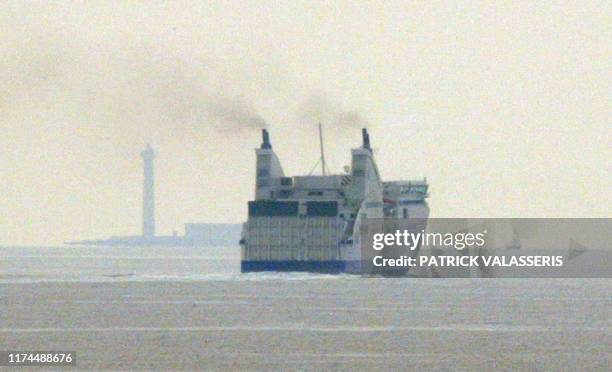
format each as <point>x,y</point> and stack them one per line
<point>503,106</point>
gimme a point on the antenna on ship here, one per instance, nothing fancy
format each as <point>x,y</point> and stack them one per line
<point>322,152</point>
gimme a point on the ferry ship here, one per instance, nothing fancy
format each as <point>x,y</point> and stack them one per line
<point>312,223</point>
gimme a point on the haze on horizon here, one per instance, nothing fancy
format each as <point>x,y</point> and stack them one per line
<point>504,106</point>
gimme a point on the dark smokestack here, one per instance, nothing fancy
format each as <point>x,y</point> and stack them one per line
<point>266,140</point>
<point>366,139</point>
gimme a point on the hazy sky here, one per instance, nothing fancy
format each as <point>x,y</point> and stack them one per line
<point>504,106</point>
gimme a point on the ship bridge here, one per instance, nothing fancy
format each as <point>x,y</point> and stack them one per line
<point>406,199</point>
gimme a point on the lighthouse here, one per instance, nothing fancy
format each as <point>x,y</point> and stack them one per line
<point>148,194</point>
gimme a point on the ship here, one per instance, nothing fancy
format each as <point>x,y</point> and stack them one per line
<point>314,223</point>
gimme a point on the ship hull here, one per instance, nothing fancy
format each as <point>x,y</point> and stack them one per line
<point>325,267</point>
<point>321,267</point>
<point>315,245</point>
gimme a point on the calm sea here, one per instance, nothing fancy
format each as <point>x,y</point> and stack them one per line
<point>101,264</point>
<point>187,308</point>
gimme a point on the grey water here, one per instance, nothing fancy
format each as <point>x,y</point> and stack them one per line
<point>194,304</point>
<point>101,264</point>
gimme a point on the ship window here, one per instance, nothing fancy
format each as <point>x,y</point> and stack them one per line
<point>286,181</point>
<point>405,212</point>
<point>322,208</point>
<point>273,208</point>
<point>315,193</point>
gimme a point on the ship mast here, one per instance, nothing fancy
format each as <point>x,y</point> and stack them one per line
<point>322,152</point>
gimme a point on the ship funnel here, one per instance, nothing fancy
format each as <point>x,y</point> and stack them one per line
<point>265,139</point>
<point>366,139</point>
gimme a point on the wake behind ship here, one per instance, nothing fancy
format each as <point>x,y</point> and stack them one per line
<point>312,223</point>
